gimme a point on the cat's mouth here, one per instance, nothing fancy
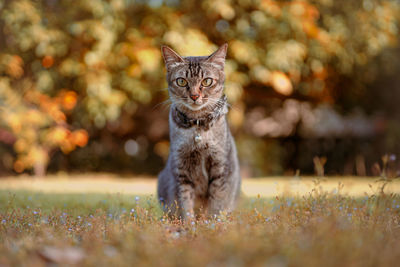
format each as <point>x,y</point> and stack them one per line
<point>194,105</point>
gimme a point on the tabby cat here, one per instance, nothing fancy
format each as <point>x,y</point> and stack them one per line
<point>202,171</point>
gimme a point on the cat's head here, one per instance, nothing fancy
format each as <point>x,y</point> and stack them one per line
<point>195,83</point>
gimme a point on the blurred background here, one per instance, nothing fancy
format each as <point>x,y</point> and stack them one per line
<point>314,85</point>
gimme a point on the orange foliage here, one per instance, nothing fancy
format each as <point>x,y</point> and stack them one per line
<point>18,166</point>
<point>47,61</point>
<point>15,67</point>
<point>68,99</point>
<point>310,29</point>
<point>272,7</point>
<point>79,138</point>
<point>281,83</point>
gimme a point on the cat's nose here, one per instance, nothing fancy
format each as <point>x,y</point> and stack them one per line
<point>194,97</point>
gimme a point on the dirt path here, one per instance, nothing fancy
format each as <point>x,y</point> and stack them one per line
<point>265,187</point>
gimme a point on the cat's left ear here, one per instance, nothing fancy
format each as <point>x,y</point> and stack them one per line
<point>218,57</point>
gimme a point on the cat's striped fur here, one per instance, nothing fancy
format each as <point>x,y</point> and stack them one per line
<point>202,168</point>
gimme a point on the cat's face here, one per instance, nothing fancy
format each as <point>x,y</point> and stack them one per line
<point>195,82</point>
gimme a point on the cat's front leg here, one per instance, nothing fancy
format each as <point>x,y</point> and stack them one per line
<point>219,189</point>
<point>185,192</point>
<point>219,197</point>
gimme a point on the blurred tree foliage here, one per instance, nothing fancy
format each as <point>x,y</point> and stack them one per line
<point>87,74</point>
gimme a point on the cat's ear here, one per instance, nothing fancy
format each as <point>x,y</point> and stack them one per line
<point>170,57</point>
<point>218,57</point>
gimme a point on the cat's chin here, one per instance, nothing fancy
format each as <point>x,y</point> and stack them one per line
<point>194,107</point>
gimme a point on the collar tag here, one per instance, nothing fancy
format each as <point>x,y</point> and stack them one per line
<point>198,138</point>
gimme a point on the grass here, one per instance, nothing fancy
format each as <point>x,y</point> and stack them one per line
<point>319,228</point>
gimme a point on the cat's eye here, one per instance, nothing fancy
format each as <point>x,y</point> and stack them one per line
<point>206,82</point>
<point>181,82</point>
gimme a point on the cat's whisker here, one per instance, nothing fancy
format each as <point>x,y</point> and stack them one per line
<point>163,89</point>
<point>220,102</point>
<point>215,102</point>
<point>163,104</point>
<point>234,107</point>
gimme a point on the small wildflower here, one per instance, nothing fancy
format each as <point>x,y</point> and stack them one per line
<point>340,208</point>
<point>267,219</point>
<point>275,208</point>
<point>397,206</point>
<point>355,208</point>
<point>70,229</point>
<point>29,224</point>
<point>79,217</point>
<point>206,221</point>
<point>137,198</point>
<point>132,210</point>
<point>64,214</point>
<point>219,220</point>
<point>91,216</point>
<point>392,157</point>
<point>110,215</point>
<point>193,223</point>
<point>3,221</point>
<point>176,235</point>
<point>35,212</point>
<point>89,224</point>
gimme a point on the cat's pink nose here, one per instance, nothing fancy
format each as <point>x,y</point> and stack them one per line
<point>194,97</point>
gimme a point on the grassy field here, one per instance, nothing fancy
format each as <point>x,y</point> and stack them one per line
<point>293,222</point>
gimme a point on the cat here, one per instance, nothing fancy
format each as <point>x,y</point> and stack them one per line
<point>202,170</point>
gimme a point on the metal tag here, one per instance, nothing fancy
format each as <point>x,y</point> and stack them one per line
<point>197,138</point>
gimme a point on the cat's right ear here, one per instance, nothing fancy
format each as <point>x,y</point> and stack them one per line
<point>171,58</point>
<point>218,57</point>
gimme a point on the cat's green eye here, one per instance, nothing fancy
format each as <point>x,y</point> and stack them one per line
<point>181,82</point>
<point>206,82</point>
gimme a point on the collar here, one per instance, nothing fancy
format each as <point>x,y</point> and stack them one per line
<point>184,121</point>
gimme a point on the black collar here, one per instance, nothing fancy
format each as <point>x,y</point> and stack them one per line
<point>183,121</point>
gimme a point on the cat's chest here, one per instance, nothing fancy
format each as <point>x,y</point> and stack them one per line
<point>194,151</point>
<point>194,139</point>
